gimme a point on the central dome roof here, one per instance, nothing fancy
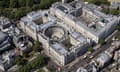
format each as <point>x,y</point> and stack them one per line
<point>55,32</point>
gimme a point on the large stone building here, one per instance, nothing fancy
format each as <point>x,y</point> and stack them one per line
<point>59,41</point>
<point>85,18</point>
<point>66,30</point>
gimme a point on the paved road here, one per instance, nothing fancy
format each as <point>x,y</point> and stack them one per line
<point>84,62</point>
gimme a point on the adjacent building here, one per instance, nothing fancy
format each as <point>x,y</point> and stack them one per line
<point>59,41</point>
<point>85,18</point>
<point>7,60</point>
<point>4,23</point>
<point>23,44</point>
<point>108,54</point>
<point>5,41</point>
<point>91,67</point>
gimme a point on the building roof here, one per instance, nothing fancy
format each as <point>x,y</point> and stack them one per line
<point>81,69</point>
<point>4,20</point>
<point>3,36</point>
<point>60,49</point>
<point>100,21</point>
<point>103,58</point>
<point>81,39</point>
<point>33,25</point>
<point>7,60</point>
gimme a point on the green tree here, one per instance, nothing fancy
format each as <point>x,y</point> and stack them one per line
<point>118,37</point>
<point>1,11</point>
<point>37,46</point>
<point>15,9</point>
<point>118,27</point>
<point>37,62</point>
<point>41,70</point>
<point>20,69</point>
<point>90,49</point>
<point>40,60</point>
<point>19,61</point>
<point>28,9</point>
<point>4,3</point>
<point>22,3</point>
<point>36,7</point>
<point>27,68</point>
<point>13,3</point>
<point>45,3</point>
<point>102,42</point>
<point>1,3</point>
<point>29,3</point>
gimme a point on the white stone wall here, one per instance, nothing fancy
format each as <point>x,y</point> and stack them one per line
<point>57,56</point>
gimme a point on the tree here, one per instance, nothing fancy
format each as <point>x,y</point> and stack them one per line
<point>28,9</point>
<point>37,46</point>
<point>118,27</point>
<point>102,42</point>
<point>20,69</point>
<point>114,11</point>
<point>29,3</point>
<point>19,61</point>
<point>118,37</point>
<point>40,70</point>
<point>22,3</point>
<point>13,3</point>
<point>1,11</point>
<point>15,9</point>
<point>37,62</point>
<point>90,49</point>
<point>6,3</point>
<point>106,11</point>
<point>1,3</point>
<point>40,60</point>
<point>36,7</point>
<point>45,3</point>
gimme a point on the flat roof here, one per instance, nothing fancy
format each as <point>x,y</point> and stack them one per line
<point>95,10</point>
<point>58,47</point>
<point>43,26</point>
<point>81,39</point>
<point>78,37</point>
<point>75,34</point>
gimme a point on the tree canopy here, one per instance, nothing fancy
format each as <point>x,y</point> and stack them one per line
<point>37,62</point>
<point>19,61</point>
<point>102,41</point>
<point>37,46</point>
<point>111,11</point>
<point>15,9</point>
